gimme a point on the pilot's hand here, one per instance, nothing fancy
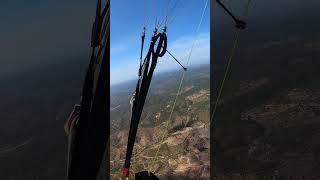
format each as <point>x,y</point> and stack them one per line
<point>72,120</point>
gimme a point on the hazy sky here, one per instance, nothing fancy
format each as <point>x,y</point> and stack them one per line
<point>36,33</point>
<point>268,9</point>
<point>127,19</point>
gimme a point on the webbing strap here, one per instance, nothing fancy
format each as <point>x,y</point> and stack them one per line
<point>92,110</point>
<point>141,92</point>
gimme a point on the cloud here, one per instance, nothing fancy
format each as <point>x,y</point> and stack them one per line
<point>124,72</point>
<point>122,44</point>
<point>180,48</point>
<point>119,48</point>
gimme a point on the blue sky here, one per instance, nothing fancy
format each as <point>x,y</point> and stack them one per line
<point>127,20</point>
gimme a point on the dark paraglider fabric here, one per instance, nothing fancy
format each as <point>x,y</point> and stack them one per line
<point>145,175</point>
<point>91,137</point>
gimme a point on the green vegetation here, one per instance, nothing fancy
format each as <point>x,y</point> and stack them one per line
<point>271,126</point>
<point>165,144</point>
